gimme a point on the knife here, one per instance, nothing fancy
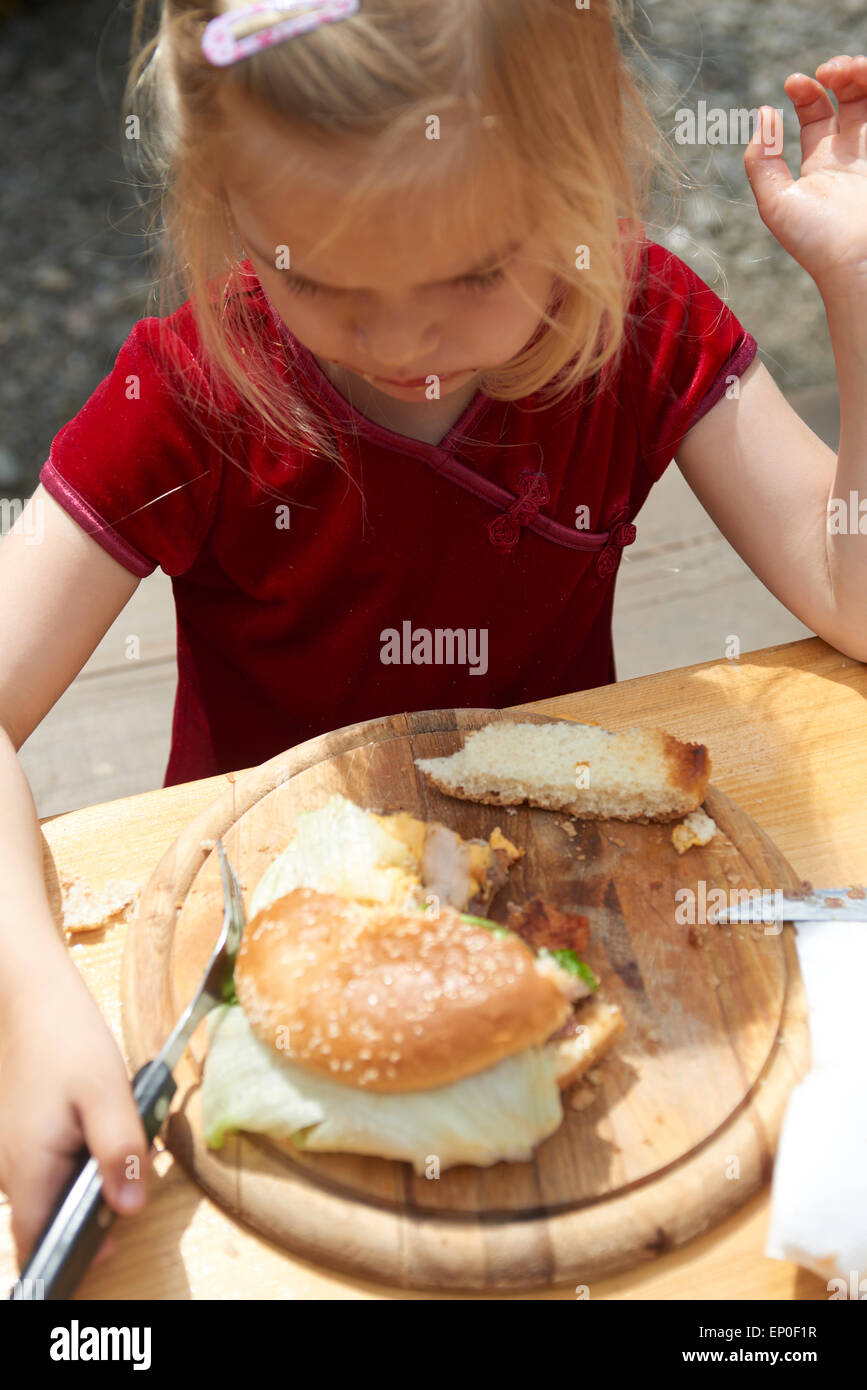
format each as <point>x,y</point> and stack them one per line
<point>817,905</point>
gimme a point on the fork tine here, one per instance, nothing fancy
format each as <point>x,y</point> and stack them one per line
<point>233,897</point>
<point>224,874</point>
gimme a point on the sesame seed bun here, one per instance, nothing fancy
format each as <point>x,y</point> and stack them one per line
<point>389,1002</point>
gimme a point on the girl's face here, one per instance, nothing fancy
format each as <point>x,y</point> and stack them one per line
<point>379,302</point>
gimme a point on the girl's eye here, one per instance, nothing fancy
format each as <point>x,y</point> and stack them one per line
<point>472,282</point>
<point>482,282</point>
<point>298,286</point>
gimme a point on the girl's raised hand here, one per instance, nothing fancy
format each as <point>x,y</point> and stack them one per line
<point>820,218</point>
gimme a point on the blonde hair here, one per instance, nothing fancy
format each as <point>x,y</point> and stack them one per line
<point>536,94</point>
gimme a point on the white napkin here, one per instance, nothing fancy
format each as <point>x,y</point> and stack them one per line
<point>819,1191</point>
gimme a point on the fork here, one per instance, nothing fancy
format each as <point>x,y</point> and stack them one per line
<point>80,1217</point>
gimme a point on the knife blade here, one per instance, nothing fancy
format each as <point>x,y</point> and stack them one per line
<point>772,904</point>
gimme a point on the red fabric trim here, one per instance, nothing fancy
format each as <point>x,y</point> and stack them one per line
<point>735,366</point>
<point>93,524</point>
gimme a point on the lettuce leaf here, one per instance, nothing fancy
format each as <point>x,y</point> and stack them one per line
<point>568,960</point>
<point>502,1112</point>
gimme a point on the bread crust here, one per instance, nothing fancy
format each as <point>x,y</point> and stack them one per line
<point>689,765</point>
<point>598,1024</point>
<point>570,808</point>
<point>389,1002</point>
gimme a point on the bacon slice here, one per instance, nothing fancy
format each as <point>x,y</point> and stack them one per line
<point>570,1029</point>
<point>541,924</point>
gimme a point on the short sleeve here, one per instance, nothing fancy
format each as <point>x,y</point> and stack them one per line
<point>138,466</point>
<point>684,347</point>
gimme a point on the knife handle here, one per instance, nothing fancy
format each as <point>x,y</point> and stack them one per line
<point>79,1219</point>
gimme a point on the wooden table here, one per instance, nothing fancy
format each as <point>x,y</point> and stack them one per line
<point>787,731</point>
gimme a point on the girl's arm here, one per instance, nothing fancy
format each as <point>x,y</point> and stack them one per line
<point>759,471</point>
<point>62,1078</point>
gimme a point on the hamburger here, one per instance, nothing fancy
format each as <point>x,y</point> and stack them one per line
<point>379,1014</point>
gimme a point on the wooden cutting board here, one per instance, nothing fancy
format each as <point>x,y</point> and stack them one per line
<point>682,1125</point>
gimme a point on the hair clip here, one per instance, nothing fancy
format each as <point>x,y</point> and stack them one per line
<point>235,35</point>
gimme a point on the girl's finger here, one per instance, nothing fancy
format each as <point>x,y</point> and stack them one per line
<point>847,79</point>
<point>767,170</point>
<point>814,108</point>
<point>37,1184</point>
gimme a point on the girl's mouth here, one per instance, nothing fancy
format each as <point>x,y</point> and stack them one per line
<point>412,382</point>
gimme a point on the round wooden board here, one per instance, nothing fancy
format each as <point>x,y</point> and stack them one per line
<point>684,1120</point>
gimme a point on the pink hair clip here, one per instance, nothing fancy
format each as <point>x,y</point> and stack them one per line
<point>235,35</point>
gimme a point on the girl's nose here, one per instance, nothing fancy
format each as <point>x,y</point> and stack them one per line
<point>396,341</point>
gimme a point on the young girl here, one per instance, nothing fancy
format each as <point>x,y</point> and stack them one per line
<point>391,445</point>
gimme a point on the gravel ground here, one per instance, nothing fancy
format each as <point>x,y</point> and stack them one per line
<point>75,280</point>
<point>67,221</point>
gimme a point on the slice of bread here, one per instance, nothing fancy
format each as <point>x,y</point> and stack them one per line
<point>593,774</point>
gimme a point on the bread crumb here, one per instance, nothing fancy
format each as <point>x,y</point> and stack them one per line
<point>695,829</point>
<point>84,910</point>
<point>579,1097</point>
<point>498,841</point>
<point>569,827</point>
